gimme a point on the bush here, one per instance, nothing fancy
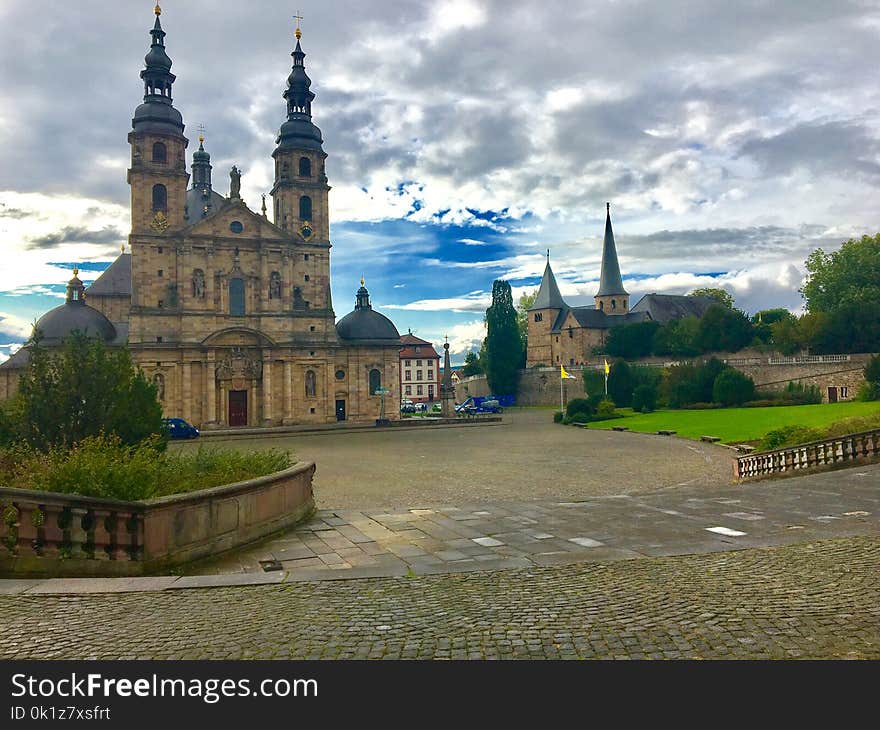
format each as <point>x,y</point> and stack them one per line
<point>605,408</point>
<point>702,406</point>
<point>579,405</point>
<point>733,388</point>
<point>558,416</point>
<point>621,384</point>
<point>104,466</point>
<point>803,394</point>
<point>644,399</point>
<point>577,417</point>
<point>594,381</point>
<point>869,391</point>
<point>790,436</point>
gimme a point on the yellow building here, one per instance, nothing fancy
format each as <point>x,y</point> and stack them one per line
<point>228,312</point>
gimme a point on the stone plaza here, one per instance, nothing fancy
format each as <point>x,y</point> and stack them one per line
<point>469,547</point>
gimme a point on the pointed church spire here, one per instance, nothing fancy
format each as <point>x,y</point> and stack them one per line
<point>201,168</point>
<point>298,130</point>
<point>610,282</point>
<point>157,114</point>
<point>549,296</point>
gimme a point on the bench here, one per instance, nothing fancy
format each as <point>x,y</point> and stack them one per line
<point>620,428</point>
<point>744,448</point>
<point>666,433</point>
<point>581,425</point>
<point>710,439</point>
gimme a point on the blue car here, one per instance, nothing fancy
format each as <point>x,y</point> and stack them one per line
<point>179,429</point>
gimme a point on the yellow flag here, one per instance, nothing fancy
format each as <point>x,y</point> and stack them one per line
<point>565,375</point>
<point>607,368</point>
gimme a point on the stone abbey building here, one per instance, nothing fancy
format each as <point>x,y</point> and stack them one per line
<point>564,335</point>
<point>227,311</point>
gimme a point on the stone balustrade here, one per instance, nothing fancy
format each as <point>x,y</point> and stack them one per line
<point>43,533</point>
<point>829,452</point>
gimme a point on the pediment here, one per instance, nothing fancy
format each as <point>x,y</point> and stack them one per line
<point>253,225</point>
<point>238,337</point>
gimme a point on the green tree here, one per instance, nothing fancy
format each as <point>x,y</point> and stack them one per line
<point>733,388</point>
<point>724,330</point>
<point>871,388</point>
<point>631,341</point>
<point>852,327</point>
<point>82,390</point>
<point>850,275</point>
<point>724,298</point>
<point>763,321</point>
<point>471,365</point>
<point>522,317</point>
<point>644,398</point>
<point>504,351</point>
<point>621,384</point>
<point>677,338</point>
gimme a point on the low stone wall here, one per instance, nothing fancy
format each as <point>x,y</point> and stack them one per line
<point>43,533</point>
<point>537,387</point>
<point>852,448</point>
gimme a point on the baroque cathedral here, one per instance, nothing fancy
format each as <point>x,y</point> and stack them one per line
<point>227,311</point>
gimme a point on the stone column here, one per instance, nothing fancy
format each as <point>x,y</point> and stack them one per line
<point>287,389</point>
<point>211,386</point>
<point>286,276</point>
<point>267,392</point>
<point>186,392</point>
<point>263,294</point>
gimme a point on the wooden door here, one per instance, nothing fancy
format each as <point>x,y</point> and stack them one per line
<point>340,410</point>
<point>238,415</point>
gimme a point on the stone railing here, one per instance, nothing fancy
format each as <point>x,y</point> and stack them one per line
<point>43,533</point>
<point>853,447</point>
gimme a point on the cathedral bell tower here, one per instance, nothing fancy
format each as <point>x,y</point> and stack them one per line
<point>158,176</point>
<point>300,192</point>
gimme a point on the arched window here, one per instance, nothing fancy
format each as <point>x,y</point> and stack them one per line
<point>305,208</point>
<point>160,153</point>
<point>602,306</point>
<point>539,317</point>
<point>613,305</point>
<point>160,198</point>
<point>375,381</point>
<point>305,167</point>
<point>236,297</point>
<point>311,384</point>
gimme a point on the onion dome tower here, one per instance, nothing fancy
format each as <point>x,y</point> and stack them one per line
<point>300,193</point>
<point>158,175</point>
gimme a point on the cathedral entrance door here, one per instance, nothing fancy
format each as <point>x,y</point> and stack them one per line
<point>340,410</point>
<point>238,415</point>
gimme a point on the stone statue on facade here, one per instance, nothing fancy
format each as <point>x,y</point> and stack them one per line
<point>198,284</point>
<point>274,285</point>
<point>234,183</point>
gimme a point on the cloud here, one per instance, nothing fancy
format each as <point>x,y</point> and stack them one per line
<point>78,234</point>
<point>14,327</point>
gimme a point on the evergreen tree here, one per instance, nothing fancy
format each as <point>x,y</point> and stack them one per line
<point>81,390</point>
<point>504,353</point>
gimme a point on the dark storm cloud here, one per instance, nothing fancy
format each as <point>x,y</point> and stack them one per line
<point>77,234</point>
<point>830,147</point>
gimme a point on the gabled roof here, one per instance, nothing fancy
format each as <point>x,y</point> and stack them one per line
<point>115,281</point>
<point>549,296</point>
<point>664,308</point>
<point>591,318</point>
<point>410,339</point>
<point>229,206</point>
<point>610,282</point>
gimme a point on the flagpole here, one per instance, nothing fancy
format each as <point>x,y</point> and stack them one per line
<point>561,399</point>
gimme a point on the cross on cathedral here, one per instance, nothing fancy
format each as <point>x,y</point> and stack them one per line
<point>298,18</point>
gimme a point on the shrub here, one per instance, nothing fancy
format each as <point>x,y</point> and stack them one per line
<point>594,381</point>
<point>621,384</point>
<point>605,408</point>
<point>800,393</point>
<point>558,416</point>
<point>869,391</point>
<point>579,405</point>
<point>790,436</point>
<point>733,388</point>
<point>644,399</point>
<point>104,466</point>
<point>578,417</point>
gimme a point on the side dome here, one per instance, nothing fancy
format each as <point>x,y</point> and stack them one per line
<point>74,315</point>
<point>364,326</point>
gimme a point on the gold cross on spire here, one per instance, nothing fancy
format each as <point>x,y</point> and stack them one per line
<point>201,129</point>
<point>157,9</point>
<point>298,18</point>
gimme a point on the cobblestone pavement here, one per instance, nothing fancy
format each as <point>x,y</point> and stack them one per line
<point>527,457</point>
<point>495,535</point>
<point>818,599</point>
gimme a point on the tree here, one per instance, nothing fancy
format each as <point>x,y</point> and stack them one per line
<point>763,322</point>
<point>631,341</point>
<point>503,344</point>
<point>724,330</point>
<point>471,365</point>
<point>850,275</point>
<point>82,390</point>
<point>677,338</point>
<point>871,388</point>
<point>733,388</point>
<point>644,398</point>
<point>522,317</point>
<point>621,384</point>
<point>724,298</point>
<point>852,327</point>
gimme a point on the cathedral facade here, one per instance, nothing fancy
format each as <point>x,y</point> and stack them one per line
<point>227,311</point>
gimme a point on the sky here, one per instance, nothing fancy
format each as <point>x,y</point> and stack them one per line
<point>465,138</point>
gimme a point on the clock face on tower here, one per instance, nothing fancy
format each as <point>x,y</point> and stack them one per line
<point>306,231</point>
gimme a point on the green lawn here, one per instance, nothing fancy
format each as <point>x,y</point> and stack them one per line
<point>737,425</point>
